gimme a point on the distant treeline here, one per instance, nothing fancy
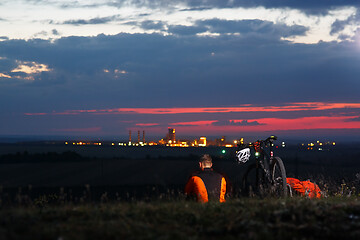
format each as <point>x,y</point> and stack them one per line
<point>25,157</point>
<point>71,156</point>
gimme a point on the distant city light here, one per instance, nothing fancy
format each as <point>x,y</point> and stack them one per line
<point>202,142</point>
<point>319,145</point>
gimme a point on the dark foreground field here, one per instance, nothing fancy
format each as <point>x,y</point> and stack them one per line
<point>242,218</point>
<point>125,193</point>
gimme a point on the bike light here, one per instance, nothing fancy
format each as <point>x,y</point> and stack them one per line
<point>257,154</point>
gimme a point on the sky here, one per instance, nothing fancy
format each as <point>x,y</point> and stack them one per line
<point>100,68</point>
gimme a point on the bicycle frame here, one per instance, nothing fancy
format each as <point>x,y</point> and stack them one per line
<point>264,158</point>
<point>262,162</point>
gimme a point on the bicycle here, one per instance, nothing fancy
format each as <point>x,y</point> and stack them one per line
<point>267,176</point>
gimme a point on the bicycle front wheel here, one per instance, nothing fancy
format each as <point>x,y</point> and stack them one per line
<point>254,181</point>
<point>278,175</point>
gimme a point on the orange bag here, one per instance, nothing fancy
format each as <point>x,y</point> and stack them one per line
<point>304,188</point>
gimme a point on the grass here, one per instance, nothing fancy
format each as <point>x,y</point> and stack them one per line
<point>120,213</point>
<point>67,214</point>
<point>243,218</point>
<point>62,216</point>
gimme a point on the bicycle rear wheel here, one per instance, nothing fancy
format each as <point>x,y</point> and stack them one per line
<point>278,175</point>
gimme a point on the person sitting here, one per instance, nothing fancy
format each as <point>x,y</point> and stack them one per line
<point>206,184</point>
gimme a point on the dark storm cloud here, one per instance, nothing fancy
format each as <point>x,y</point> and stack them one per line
<point>233,123</point>
<point>151,70</point>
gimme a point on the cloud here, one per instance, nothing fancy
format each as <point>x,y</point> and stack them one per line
<point>346,27</point>
<point>251,71</point>
<point>181,71</point>
<point>55,32</point>
<point>236,123</point>
<point>30,68</point>
<point>318,6</point>
<point>159,16</point>
<point>46,34</point>
<point>93,21</point>
<point>150,25</point>
<point>252,27</point>
<point>309,6</point>
<point>147,124</point>
<point>2,75</point>
<point>356,119</point>
<point>143,3</point>
<point>186,30</point>
<point>225,27</point>
<point>193,123</point>
<point>42,33</point>
<point>22,70</point>
<point>283,111</point>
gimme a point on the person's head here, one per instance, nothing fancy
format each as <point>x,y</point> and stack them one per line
<point>205,161</point>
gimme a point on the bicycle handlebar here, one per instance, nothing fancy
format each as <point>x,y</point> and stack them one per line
<point>270,140</point>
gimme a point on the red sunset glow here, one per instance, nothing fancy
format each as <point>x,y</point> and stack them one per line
<point>294,116</point>
<point>274,124</point>
<point>303,106</point>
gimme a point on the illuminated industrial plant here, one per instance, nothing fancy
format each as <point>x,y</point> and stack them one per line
<point>169,141</point>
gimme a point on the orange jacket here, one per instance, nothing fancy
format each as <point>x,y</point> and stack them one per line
<point>305,188</point>
<point>205,185</point>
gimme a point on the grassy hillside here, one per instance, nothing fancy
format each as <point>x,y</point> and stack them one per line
<point>74,196</point>
<point>246,218</point>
